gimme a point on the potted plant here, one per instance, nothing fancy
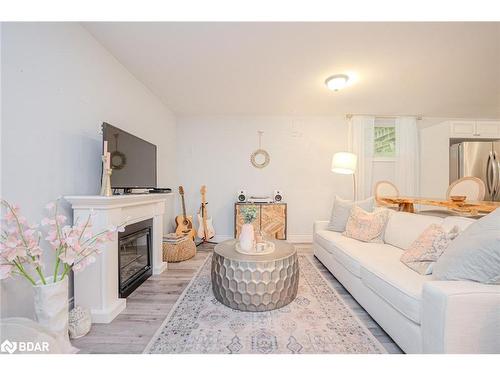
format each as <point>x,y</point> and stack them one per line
<point>247,235</point>
<point>73,246</point>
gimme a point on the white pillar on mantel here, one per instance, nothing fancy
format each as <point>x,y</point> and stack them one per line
<point>96,287</point>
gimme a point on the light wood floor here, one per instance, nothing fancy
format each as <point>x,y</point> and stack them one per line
<point>148,306</point>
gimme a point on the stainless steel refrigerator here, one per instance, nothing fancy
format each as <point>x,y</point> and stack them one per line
<point>478,159</point>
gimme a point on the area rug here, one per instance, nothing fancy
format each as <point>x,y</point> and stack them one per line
<point>317,321</point>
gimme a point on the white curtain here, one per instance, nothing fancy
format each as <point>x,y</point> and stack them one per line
<point>361,132</point>
<point>407,172</point>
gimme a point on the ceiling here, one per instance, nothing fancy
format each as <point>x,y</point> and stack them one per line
<point>432,69</point>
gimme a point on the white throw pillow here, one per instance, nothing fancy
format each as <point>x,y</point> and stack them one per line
<point>367,226</point>
<point>475,254</point>
<point>341,211</point>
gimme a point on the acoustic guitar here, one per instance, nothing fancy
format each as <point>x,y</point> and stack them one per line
<point>184,222</point>
<point>206,229</point>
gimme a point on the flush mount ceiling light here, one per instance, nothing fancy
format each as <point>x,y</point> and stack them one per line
<point>337,82</point>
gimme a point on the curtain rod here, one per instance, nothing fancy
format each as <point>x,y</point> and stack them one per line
<point>350,115</point>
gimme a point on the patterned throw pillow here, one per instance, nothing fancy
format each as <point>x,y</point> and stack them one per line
<point>427,248</point>
<point>341,211</point>
<point>367,226</point>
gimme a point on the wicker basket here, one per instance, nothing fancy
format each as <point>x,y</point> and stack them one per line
<point>174,252</point>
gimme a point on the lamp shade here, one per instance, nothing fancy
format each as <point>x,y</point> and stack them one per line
<point>344,163</point>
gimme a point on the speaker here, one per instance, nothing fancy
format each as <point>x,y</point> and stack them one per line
<point>242,196</point>
<point>278,196</point>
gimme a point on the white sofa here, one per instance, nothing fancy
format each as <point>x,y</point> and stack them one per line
<point>422,315</point>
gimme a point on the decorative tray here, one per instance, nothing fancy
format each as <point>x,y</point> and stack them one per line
<point>268,248</point>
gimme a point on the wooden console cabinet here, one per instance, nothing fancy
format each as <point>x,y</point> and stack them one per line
<point>271,219</point>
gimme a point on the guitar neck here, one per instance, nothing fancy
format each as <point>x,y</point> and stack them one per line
<point>183,206</point>
<point>203,204</point>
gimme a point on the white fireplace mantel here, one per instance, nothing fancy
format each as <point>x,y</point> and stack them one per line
<point>96,287</point>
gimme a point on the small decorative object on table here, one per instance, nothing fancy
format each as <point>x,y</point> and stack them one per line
<point>261,248</point>
<point>247,234</point>
<point>106,172</point>
<point>21,255</point>
<point>79,322</point>
<point>177,248</point>
<point>458,199</point>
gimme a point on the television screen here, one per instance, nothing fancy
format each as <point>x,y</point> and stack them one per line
<point>133,160</point>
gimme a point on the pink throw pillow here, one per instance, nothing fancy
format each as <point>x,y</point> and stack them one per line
<point>367,226</point>
<point>427,248</point>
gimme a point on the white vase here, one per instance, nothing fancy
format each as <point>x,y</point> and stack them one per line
<point>51,310</point>
<point>247,237</point>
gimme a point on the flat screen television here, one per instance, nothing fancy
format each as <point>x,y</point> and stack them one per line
<point>133,160</point>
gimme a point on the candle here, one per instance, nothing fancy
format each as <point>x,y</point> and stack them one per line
<point>105,151</point>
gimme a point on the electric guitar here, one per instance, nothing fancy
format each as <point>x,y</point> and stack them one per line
<point>206,229</point>
<point>184,222</point>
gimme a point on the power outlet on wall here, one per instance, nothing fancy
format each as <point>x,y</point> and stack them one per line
<point>295,129</point>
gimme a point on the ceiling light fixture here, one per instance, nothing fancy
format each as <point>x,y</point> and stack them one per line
<point>337,82</point>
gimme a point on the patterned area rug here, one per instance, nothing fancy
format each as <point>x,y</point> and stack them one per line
<point>317,321</point>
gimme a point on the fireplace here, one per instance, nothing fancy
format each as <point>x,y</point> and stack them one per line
<point>134,256</point>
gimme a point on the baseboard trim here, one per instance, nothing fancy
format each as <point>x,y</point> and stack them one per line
<point>300,238</point>
<point>294,238</point>
<point>221,237</point>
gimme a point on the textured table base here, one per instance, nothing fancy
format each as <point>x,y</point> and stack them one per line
<point>253,285</point>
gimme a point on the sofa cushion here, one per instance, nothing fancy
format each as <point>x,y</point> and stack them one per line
<point>397,284</point>
<point>341,211</point>
<point>352,253</point>
<point>461,222</point>
<point>403,228</point>
<point>336,244</point>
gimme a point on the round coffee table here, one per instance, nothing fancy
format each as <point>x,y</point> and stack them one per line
<point>255,282</point>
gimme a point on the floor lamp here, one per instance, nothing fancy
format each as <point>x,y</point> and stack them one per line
<point>345,163</point>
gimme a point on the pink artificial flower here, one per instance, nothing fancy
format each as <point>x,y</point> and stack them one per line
<point>102,239</point>
<point>12,229</point>
<point>29,233</point>
<point>11,242</point>
<point>36,251</point>
<point>9,216</point>
<point>50,206</point>
<point>73,241</point>
<point>51,235</point>
<point>87,235</point>
<point>83,263</point>
<point>5,271</point>
<point>68,256</point>
<point>11,253</point>
<point>61,219</point>
<point>114,228</point>
<point>46,221</point>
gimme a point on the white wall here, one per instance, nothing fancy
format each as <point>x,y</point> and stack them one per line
<point>58,85</point>
<point>216,151</point>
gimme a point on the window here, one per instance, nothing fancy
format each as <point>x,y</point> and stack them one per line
<point>384,138</point>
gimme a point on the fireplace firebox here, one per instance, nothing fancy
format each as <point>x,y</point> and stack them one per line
<point>134,256</point>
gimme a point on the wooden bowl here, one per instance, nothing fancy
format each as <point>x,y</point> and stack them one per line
<point>458,198</point>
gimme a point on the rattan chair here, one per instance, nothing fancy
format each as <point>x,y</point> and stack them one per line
<point>385,189</point>
<point>471,187</point>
